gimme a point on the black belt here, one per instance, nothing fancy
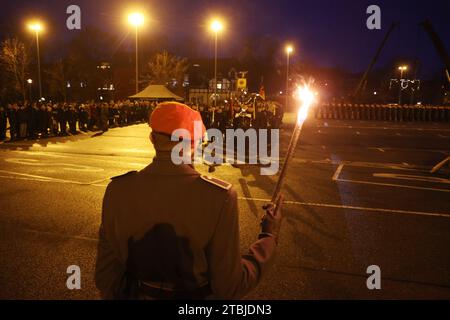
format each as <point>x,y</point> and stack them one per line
<point>169,294</point>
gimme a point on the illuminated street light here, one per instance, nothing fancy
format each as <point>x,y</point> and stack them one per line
<point>216,26</point>
<point>37,27</point>
<point>402,69</point>
<point>136,19</point>
<point>289,50</point>
<point>30,82</point>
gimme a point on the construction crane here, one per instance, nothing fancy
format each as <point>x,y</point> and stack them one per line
<point>436,40</point>
<point>438,45</point>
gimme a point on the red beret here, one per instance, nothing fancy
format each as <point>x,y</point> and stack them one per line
<point>170,116</point>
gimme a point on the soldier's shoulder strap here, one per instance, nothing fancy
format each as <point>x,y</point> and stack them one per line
<point>129,173</point>
<point>217,182</point>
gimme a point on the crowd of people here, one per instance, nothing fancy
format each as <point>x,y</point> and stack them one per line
<point>224,116</point>
<point>37,120</point>
<point>40,120</point>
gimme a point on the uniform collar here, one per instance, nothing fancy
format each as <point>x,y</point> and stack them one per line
<point>162,165</point>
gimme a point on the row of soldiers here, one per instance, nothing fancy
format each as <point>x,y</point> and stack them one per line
<point>30,121</point>
<point>262,116</point>
<point>36,120</point>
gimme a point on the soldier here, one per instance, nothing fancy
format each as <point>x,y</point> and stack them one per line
<point>3,123</point>
<point>168,232</point>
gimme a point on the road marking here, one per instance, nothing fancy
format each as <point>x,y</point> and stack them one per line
<point>31,177</point>
<point>442,136</point>
<point>40,178</point>
<point>411,177</point>
<point>337,172</point>
<point>387,128</point>
<point>66,166</point>
<point>445,152</point>
<point>381,149</point>
<point>340,206</point>
<point>393,185</point>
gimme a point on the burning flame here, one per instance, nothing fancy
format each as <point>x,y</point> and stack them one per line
<point>306,96</point>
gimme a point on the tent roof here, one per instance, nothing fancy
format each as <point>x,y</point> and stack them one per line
<point>156,91</point>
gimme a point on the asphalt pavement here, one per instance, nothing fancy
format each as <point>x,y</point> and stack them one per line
<point>358,193</point>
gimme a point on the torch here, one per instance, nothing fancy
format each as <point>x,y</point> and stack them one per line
<point>306,98</point>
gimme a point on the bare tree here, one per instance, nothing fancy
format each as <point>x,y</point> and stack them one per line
<point>58,76</point>
<point>164,67</point>
<point>15,58</point>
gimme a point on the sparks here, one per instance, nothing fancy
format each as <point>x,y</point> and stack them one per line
<point>306,96</point>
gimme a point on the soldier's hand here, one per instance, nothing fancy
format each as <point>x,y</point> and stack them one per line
<point>271,222</point>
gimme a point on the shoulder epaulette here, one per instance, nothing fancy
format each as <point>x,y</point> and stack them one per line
<point>217,182</point>
<point>124,175</point>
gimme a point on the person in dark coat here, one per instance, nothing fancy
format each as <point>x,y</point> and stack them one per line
<point>22,118</point>
<point>13,121</point>
<point>3,123</point>
<point>168,232</point>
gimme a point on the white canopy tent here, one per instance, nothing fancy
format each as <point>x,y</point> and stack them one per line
<point>156,92</point>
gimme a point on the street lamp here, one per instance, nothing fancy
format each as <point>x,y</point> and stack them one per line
<point>37,27</point>
<point>136,19</point>
<point>216,26</point>
<point>289,50</point>
<point>30,82</point>
<point>402,69</point>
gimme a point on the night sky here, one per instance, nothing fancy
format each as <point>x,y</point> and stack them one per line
<point>325,32</point>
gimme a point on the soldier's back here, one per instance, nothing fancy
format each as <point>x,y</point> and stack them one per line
<point>162,219</point>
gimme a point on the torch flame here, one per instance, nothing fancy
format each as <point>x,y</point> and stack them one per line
<point>306,96</point>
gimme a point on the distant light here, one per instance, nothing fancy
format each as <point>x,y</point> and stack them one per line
<point>36,26</point>
<point>30,81</point>
<point>374,93</point>
<point>216,25</point>
<point>68,84</point>
<point>136,19</point>
<point>196,65</point>
<point>403,68</point>
<point>289,49</point>
<point>101,98</point>
<point>281,92</point>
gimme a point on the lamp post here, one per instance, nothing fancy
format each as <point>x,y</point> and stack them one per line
<point>216,27</point>
<point>37,27</point>
<point>136,19</point>
<point>289,50</point>
<point>30,82</point>
<point>400,81</point>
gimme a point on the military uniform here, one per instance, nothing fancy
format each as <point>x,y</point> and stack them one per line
<point>191,225</point>
<point>169,232</point>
